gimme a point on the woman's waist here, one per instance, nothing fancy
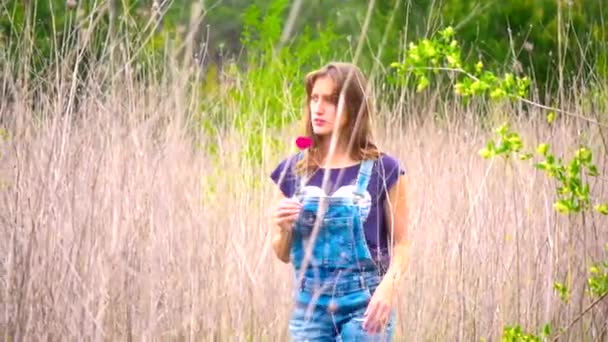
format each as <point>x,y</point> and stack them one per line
<point>336,281</point>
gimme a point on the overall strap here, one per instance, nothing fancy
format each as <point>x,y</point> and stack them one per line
<point>365,173</point>
<point>300,180</point>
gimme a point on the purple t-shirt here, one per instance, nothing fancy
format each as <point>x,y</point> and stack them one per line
<point>385,172</point>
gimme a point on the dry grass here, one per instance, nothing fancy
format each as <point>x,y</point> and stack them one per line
<point>115,223</point>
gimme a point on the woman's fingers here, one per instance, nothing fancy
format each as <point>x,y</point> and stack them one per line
<point>286,216</point>
<point>370,316</point>
<point>376,317</point>
<point>290,205</point>
<point>288,212</point>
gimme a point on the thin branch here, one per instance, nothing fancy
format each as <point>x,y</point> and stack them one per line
<point>578,116</point>
<point>561,111</point>
<point>597,301</point>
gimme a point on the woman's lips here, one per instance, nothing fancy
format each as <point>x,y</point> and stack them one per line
<point>319,122</point>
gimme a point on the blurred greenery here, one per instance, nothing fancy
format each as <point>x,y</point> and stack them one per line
<point>535,37</point>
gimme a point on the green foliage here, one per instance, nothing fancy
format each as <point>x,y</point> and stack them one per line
<point>43,34</point>
<point>484,28</point>
<point>4,134</point>
<point>572,191</point>
<point>508,142</point>
<point>42,26</point>
<point>537,28</point>
<point>275,73</point>
<point>598,280</point>
<point>517,334</point>
<point>443,53</point>
<point>602,208</point>
<point>563,291</point>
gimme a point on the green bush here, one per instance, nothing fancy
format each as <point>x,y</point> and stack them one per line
<point>534,27</point>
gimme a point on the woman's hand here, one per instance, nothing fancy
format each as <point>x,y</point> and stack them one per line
<point>379,309</point>
<point>285,213</point>
<point>380,306</point>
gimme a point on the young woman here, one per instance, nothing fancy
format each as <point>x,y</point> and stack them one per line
<point>341,208</point>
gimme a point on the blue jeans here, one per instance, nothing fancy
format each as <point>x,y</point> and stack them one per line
<point>335,313</point>
<point>335,273</point>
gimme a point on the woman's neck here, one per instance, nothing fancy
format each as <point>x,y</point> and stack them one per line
<point>339,157</point>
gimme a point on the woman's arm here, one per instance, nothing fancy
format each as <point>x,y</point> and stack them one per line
<point>396,210</point>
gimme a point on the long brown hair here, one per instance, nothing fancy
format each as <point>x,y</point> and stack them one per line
<point>350,83</point>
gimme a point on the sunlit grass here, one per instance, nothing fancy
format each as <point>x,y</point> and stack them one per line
<point>125,213</point>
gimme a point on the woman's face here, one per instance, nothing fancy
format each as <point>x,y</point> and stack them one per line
<point>324,107</point>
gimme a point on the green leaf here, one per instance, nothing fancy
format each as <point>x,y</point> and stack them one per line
<point>515,142</point>
<point>602,208</point>
<point>453,61</point>
<point>525,156</point>
<point>563,291</point>
<point>562,206</point>
<point>542,149</point>
<point>423,82</point>
<point>542,166</point>
<point>551,117</point>
<point>503,129</point>
<point>584,155</point>
<point>509,80</point>
<point>448,33</point>
<point>592,171</point>
<point>460,89</point>
<point>497,94</point>
<point>574,167</point>
<point>598,280</point>
<point>487,152</point>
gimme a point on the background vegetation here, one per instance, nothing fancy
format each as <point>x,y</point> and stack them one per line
<point>128,129</point>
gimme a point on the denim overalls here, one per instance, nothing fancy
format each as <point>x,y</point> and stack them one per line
<point>333,291</point>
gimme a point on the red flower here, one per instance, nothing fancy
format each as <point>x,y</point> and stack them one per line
<point>303,142</point>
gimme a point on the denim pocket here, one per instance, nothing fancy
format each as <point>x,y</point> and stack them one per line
<point>338,249</point>
<point>305,223</point>
<point>301,240</point>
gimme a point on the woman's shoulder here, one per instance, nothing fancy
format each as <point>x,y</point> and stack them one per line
<point>387,170</point>
<point>287,164</point>
<point>389,164</point>
<point>284,174</point>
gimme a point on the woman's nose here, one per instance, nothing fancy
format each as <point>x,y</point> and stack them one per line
<point>319,108</point>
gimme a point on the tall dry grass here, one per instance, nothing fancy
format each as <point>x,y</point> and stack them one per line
<point>117,225</point>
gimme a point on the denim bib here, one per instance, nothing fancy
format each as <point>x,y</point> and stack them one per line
<point>330,227</point>
<point>336,273</point>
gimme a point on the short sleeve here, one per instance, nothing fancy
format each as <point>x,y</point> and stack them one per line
<point>284,176</point>
<point>389,169</point>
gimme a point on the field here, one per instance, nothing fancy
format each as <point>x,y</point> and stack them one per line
<point>135,156</point>
<point>117,223</point>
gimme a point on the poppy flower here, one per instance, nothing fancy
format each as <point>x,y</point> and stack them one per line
<point>303,142</point>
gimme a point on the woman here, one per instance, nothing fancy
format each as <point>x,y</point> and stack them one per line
<point>341,207</point>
